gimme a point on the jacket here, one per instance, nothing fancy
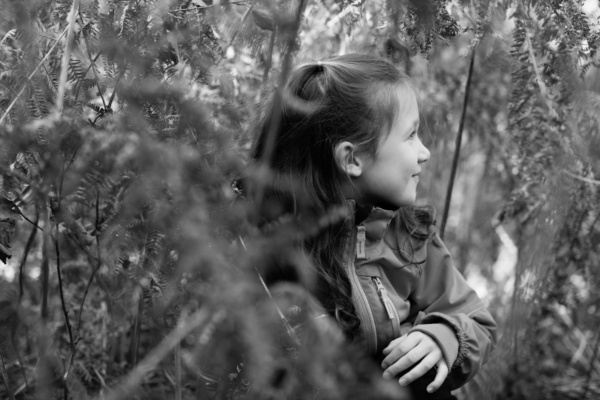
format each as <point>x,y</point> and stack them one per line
<point>393,297</point>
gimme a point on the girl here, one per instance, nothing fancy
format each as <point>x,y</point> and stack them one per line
<point>345,135</point>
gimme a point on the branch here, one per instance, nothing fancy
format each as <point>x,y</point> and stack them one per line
<point>31,76</point>
<point>61,292</point>
<point>26,253</point>
<point>66,57</point>
<point>457,146</point>
<point>540,82</point>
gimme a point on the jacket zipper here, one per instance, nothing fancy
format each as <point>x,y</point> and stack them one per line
<point>390,308</point>
<point>362,304</point>
<point>361,241</point>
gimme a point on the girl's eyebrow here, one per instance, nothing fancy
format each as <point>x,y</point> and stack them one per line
<point>414,126</point>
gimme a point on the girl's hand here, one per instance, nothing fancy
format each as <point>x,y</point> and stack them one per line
<point>411,349</point>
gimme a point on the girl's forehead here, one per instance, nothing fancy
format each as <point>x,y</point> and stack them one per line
<point>407,103</point>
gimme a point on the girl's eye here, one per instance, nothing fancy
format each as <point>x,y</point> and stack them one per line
<point>412,135</point>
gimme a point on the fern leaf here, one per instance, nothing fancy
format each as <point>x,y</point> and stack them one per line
<point>76,70</point>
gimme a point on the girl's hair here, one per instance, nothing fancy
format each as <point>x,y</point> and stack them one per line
<point>351,98</point>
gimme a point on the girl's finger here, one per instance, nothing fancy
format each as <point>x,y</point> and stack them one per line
<point>425,365</point>
<point>440,377</point>
<point>417,354</point>
<point>393,344</point>
<point>400,350</point>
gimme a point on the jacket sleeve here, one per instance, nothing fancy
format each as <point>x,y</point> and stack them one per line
<point>452,314</point>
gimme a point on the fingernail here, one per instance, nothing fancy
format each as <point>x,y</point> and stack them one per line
<point>386,375</point>
<point>429,389</point>
<point>402,382</point>
<point>384,365</point>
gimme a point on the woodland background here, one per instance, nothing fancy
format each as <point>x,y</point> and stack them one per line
<point>124,123</point>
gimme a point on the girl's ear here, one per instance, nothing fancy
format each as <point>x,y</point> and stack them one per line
<point>347,161</point>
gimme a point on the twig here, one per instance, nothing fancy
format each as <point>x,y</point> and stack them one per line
<point>62,82</point>
<point>581,178</point>
<point>288,326</point>
<point>26,253</point>
<point>235,33</point>
<point>35,224</point>
<point>31,76</point>
<point>62,176</point>
<point>92,61</point>
<point>238,3</point>
<point>62,299</point>
<point>269,57</point>
<point>98,264</point>
<point>177,357</point>
<point>135,342</point>
<point>112,95</point>
<point>45,264</point>
<point>87,288</point>
<point>21,364</point>
<point>5,378</point>
<point>540,82</point>
<point>457,146</point>
<point>166,346</point>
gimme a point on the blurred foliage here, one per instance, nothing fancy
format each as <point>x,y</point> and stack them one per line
<point>126,271</point>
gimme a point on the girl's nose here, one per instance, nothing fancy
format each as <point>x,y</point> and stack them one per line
<point>424,153</point>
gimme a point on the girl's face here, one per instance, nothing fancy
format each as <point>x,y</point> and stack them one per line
<point>389,180</point>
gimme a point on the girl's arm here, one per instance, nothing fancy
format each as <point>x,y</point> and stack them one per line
<point>452,314</point>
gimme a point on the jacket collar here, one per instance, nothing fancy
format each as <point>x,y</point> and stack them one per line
<point>375,219</point>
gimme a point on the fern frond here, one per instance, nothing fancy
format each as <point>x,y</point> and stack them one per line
<point>76,70</point>
<point>11,35</point>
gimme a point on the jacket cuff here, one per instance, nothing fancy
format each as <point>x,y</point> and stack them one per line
<point>445,337</point>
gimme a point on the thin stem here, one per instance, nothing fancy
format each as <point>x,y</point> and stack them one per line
<point>166,346</point>
<point>61,292</point>
<point>87,288</point>
<point>31,76</point>
<point>582,178</point>
<point>92,61</point>
<point>112,96</point>
<point>98,263</point>
<point>135,343</point>
<point>269,57</point>
<point>64,171</point>
<point>45,265</point>
<point>5,378</point>
<point>72,342</point>
<point>457,146</point>
<point>286,324</point>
